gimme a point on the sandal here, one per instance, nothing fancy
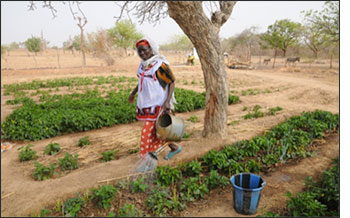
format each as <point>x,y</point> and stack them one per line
<point>172,153</point>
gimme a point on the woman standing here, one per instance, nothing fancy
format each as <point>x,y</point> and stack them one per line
<point>155,95</point>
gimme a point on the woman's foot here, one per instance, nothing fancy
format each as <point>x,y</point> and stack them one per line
<point>174,150</point>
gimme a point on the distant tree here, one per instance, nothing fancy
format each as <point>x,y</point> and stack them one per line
<point>313,38</point>
<point>124,34</point>
<point>76,43</point>
<point>281,35</point>
<point>178,42</point>
<point>14,46</point>
<point>245,41</point>
<point>326,22</point>
<point>100,44</point>
<point>4,49</point>
<point>33,44</point>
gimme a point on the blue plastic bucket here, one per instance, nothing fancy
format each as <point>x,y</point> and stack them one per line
<point>247,189</point>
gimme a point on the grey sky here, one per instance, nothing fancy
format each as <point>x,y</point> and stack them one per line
<point>18,24</point>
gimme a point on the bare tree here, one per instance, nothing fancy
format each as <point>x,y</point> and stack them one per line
<point>204,35</point>
<point>77,14</point>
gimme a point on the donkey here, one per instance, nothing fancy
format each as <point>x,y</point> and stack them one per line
<point>266,61</point>
<point>292,60</point>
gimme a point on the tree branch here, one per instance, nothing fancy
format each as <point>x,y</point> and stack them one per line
<point>218,18</point>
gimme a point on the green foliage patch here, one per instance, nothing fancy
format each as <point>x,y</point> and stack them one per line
<point>27,153</point>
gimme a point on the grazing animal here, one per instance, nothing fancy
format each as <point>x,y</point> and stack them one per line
<point>266,61</point>
<point>292,60</point>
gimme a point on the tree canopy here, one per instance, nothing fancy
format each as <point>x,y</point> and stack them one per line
<point>281,35</point>
<point>124,34</point>
<point>178,42</point>
<point>33,44</point>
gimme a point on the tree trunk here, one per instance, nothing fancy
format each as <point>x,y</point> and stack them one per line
<point>58,58</point>
<point>331,64</point>
<point>203,33</point>
<point>274,58</point>
<point>83,46</point>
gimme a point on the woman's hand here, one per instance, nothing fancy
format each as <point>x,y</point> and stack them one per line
<point>131,98</point>
<point>166,106</point>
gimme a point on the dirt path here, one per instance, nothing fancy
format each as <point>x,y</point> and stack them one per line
<point>294,92</point>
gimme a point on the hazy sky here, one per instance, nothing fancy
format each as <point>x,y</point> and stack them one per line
<point>18,24</point>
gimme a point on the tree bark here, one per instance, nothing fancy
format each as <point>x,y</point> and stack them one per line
<point>203,33</point>
<point>274,58</point>
<point>81,26</point>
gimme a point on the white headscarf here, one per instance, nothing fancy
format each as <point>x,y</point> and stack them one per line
<point>155,51</point>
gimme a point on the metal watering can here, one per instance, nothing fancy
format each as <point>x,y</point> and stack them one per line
<point>169,127</point>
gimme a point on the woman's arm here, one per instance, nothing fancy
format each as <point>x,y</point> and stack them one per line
<point>132,94</point>
<point>166,105</point>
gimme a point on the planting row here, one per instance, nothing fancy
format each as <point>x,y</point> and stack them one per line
<point>67,163</point>
<point>70,82</point>
<point>175,187</point>
<point>319,198</point>
<point>82,112</point>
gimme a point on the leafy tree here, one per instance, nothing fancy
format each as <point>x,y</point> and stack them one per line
<point>281,35</point>
<point>326,22</point>
<point>33,44</point>
<point>179,43</point>
<point>124,34</point>
<point>76,43</point>
<point>313,38</point>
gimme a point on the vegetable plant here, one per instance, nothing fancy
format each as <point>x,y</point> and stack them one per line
<point>214,180</point>
<point>42,172</point>
<point>27,153</point>
<point>109,155</point>
<point>129,210</point>
<point>103,195</point>
<point>68,162</point>
<point>138,185</point>
<point>193,168</point>
<point>83,141</point>
<point>192,188</point>
<point>167,175</point>
<point>52,148</point>
<point>72,206</point>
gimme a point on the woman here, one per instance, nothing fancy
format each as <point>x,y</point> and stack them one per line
<point>155,95</point>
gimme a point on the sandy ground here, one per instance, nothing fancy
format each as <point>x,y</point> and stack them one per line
<point>295,89</point>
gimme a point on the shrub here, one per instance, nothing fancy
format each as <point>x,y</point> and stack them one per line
<point>27,153</point>
<point>52,149</point>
